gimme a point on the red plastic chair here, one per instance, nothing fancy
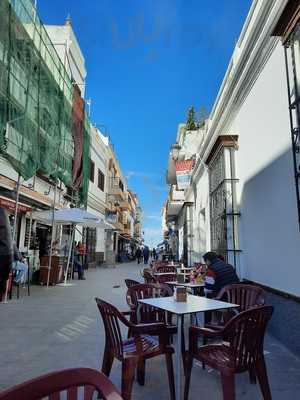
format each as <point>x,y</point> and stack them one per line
<point>242,350</point>
<point>143,313</point>
<point>131,282</point>
<point>246,296</point>
<point>69,381</point>
<point>166,268</point>
<point>148,277</point>
<point>166,278</point>
<point>134,351</point>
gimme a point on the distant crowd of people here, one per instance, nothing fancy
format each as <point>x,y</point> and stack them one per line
<point>143,254</point>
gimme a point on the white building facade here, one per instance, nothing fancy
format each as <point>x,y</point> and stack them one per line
<point>244,188</point>
<point>97,195</point>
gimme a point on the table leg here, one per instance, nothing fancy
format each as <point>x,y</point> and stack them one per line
<point>178,357</point>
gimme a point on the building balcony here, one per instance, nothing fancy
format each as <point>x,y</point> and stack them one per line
<point>175,202</point>
<point>127,231</point>
<point>174,208</point>
<point>115,188</point>
<point>125,205</point>
<point>111,203</point>
<point>177,195</point>
<point>119,226</point>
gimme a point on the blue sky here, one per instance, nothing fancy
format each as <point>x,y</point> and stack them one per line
<point>148,61</point>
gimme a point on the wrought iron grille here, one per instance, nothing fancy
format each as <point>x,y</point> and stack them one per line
<point>292,60</point>
<point>218,205</point>
<point>223,207</point>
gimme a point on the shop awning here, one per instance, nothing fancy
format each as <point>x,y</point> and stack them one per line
<point>71,216</point>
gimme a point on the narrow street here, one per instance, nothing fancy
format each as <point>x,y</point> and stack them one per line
<point>60,327</point>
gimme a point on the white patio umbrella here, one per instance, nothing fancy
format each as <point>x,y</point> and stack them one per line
<point>69,216</point>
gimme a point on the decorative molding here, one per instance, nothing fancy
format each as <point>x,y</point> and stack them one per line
<point>222,141</point>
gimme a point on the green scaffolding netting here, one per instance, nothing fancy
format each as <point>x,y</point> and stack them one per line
<point>86,164</point>
<point>36,98</point>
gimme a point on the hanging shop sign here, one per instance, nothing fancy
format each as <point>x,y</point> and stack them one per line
<point>11,205</point>
<point>184,170</point>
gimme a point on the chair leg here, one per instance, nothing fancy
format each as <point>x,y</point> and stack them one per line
<point>107,362</point>
<point>252,375</point>
<point>141,372</point>
<point>228,386</point>
<point>188,373</point>
<point>182,337</point>
<point>262,376</point>
<point>204,342</point>
<point>128,369</point>
<point>170,370</point>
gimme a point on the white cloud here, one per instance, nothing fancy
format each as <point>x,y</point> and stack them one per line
<point>153,217</point>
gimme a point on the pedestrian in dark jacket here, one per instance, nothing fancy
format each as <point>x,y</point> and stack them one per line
<point>146,254</point>
<point>154,256</point>
<point>6,251</point>
<point>138,254</point>
<point>219,274</point>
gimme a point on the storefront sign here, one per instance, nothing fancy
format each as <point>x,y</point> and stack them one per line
<point>184,172</point>
<point>10,205</point>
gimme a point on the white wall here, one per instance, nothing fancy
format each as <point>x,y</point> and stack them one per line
<point>201,226</point>
<point>269,234</point>
<point>97,197</point>
<point>65,43</point>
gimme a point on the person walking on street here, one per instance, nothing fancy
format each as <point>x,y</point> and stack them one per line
<point>146,254</point>
<point>138,254</point>
<point>154,254</point>
<point>77,264</point>
<point>82,252</point>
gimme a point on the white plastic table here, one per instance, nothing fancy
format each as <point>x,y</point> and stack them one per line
<point>189,285</point>
<point>194,304</point>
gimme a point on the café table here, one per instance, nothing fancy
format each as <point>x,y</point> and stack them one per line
<point>163,273</point>
<point>194,304</point>
<point>192,286</point>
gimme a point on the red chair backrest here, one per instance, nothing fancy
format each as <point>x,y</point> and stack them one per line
<point>149,278</point>
<point>146,313</point>
<point>245,334</point>
<point>246,296</point>
<point>166,268</point>
<point>166,278</point>
<point>131,282</point>
<point>111,316</point>
<point>69,381</point>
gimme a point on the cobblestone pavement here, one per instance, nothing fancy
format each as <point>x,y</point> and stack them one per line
<point>60,327</point>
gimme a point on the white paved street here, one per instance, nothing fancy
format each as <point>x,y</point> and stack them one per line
<point>60,327</point>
